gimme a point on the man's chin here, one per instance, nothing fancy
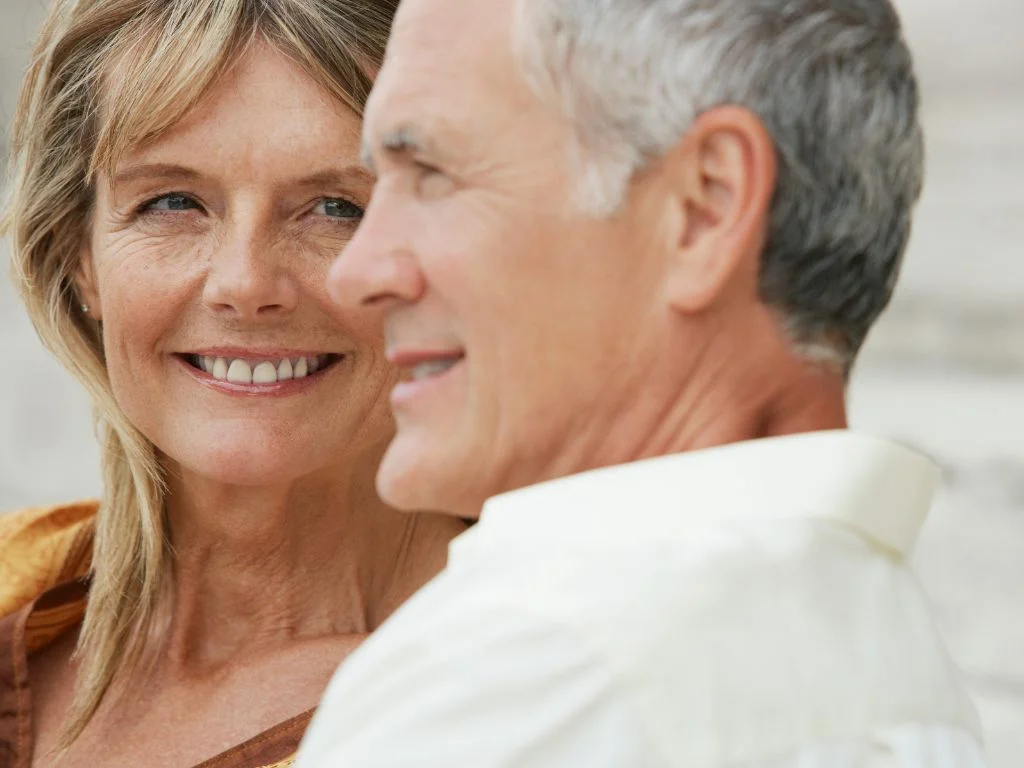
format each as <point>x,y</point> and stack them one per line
<point>414,478</point>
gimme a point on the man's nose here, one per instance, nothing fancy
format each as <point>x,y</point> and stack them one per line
<point>249,277</point>
<point>378,268</point>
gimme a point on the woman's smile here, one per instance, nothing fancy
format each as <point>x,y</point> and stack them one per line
<point>258,372</point>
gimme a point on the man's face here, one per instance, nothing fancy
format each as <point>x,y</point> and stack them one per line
<point>522,326</point>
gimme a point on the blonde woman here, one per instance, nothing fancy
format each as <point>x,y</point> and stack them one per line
<point>184,171</point>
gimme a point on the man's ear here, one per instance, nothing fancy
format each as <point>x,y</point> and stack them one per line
<point>86,285</point>
<point>723,174</point>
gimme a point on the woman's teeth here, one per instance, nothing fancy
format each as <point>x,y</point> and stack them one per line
<point>239,371</point>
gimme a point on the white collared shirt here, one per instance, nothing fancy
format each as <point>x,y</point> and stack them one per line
<point>748,606</point>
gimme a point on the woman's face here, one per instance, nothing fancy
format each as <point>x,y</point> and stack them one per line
<point>206,264</point>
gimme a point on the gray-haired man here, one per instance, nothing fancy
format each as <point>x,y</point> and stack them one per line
<point>626,252</point>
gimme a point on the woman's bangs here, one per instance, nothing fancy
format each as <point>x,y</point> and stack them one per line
<point>157,73</point>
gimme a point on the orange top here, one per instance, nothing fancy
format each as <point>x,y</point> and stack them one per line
<point>45,556</point>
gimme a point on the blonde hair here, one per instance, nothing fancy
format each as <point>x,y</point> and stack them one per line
<point>106,76</point>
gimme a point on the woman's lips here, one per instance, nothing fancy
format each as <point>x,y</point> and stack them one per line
<point>253,372</point>
<point>256,370</point>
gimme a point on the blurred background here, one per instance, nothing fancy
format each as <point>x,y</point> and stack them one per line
<point>944,370</point>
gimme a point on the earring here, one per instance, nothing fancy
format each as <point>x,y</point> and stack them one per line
<point>85,308</point>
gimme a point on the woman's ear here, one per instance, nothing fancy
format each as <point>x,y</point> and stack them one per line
<point>86,286</point>
<point>725,183</point>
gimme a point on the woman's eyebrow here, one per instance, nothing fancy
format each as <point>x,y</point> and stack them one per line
<point>149,171</point>
<point>353,174</point>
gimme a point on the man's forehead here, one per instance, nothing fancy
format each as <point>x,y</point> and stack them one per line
<point>449,31</point>
<point>445,58</point>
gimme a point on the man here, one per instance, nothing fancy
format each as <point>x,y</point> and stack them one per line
<point>637,246</point>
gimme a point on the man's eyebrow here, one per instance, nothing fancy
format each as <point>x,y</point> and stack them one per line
<point>366,156</point>
<point>404,141</point>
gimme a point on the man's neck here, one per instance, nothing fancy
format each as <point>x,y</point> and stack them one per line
<point>728,395</point>
<point>793,398</point>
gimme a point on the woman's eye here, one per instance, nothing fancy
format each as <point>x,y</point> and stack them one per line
<point>171,203</point>
<point>337,208</point>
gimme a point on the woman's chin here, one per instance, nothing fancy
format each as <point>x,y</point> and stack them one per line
<point>246,467</point>
<point>254,452</point>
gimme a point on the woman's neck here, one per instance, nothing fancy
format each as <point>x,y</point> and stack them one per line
<point>256,568</point>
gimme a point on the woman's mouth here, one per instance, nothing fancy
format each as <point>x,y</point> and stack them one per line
<point>260,370</point>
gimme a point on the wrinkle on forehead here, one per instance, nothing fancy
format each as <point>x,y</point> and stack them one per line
<point>266,122</point>
<point>450,35</point>
<point>450,65</point>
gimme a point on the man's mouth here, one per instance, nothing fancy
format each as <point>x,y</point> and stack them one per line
<point>420,369</point>
<point>261,370</point>
<point>431,368</point>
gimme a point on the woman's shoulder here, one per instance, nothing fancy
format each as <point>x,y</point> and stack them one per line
<point>41,547</point>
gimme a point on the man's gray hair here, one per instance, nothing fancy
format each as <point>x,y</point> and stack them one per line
<point>831,80</point>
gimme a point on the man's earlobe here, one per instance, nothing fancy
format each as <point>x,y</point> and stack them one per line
<point>725,188</point>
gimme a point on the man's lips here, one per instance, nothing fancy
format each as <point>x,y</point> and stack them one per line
<point>420,364</point>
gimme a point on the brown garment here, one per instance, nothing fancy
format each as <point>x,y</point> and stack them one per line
<point>45,555</point>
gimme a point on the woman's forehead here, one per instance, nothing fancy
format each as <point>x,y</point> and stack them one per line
<point>177,88</point>
<point>147,88</point>
<point>266,119</point>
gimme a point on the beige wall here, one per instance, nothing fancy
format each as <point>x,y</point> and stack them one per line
<point>945,369</point>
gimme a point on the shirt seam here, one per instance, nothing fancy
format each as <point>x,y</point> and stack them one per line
<point>276,732</point>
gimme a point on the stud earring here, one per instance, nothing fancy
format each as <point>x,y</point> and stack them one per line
<point>85,308</point>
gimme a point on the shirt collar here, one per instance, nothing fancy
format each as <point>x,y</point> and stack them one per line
<point>879,488</point>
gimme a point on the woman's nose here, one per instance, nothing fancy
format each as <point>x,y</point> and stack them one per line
<point>249,277</point>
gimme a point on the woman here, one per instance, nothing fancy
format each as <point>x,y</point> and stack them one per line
<point>184,172</point>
